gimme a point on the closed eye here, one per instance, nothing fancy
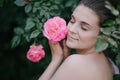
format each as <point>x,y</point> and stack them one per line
<point>85,29</point>
<point>84,26</point>
<point>72,19</point>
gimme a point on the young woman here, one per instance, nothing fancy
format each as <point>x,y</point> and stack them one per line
<point>83,29</point>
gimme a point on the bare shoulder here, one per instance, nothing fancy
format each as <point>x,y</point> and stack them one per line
<point>92,66</point>
<point>70,69</point>
<point>76,58</point>
<point>77,67</point>
<point>80,63</point>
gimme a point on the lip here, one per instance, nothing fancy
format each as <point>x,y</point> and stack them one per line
<point>71,38</point>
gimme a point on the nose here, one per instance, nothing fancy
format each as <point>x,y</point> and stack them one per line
<point>72,28</point>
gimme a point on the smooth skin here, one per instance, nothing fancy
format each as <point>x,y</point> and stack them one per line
<point>87,64</point>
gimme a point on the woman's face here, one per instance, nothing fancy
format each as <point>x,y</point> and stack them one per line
<point>83,29</point>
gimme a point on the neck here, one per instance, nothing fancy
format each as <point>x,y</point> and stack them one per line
<point>85,51</point>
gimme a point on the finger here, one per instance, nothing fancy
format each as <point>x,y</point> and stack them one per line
<point>64,45</point>
<point>54,44</point>
<point>54,47</point>
<point>66,49</point>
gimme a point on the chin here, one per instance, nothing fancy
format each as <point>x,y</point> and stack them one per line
<point>70,45</point>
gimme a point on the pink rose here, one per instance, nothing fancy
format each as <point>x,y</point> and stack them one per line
<point>35,53</point>
<point>55,29</point>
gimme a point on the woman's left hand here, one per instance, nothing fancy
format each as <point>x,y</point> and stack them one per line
<point>66,50</point>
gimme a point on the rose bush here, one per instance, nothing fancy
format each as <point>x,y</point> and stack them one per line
<point>55,29</point>
<point>35,53</point>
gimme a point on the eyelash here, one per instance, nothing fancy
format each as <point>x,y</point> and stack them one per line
<point>71,21</point>
<point>84,29</point>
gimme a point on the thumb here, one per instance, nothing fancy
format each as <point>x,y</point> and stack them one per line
<point>66,50</point>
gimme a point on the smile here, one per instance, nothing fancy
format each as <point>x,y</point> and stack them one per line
<point>71,38</point>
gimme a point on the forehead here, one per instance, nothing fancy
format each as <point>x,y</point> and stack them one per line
<point>85,14</point>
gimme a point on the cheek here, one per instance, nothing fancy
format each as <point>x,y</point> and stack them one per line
<point>88,38</point>
<point>68,25</point>
<point>90,35</point>
<point>87,41</point>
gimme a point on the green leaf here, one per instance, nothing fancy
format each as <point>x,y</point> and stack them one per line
<point>118,21</point>
<point>54,7</point>
<point>15,41</point>
<point>115,12</point>
<point>19,2</point>
<point>27,37</point>
<point>57,1</point>
<point>107,30</point>
<point>111,7</point>
<point>39,26</point>
<point>28,8</point>
<point>69,3</point>
<point>112,42</point>
<point>47,15</point>
<point>100,45</point>
<point>29,24</point>
<point>45,8</point>
<point>118,59</point>
<point>109,23</point>
<point>34,9</point>
<point>36,4</point>
<point>119,28</point>
<point>42,12</point>
<point>43,20</point>
<point>34,34</point>
<point>18,31</point>
<point>116,34</point>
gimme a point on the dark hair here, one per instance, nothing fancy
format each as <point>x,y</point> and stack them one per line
<point>99,7</point>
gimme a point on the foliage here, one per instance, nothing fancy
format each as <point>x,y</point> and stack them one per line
<point>26,20</point>
<point>14,64</point>
<point>38,12</point>
<point>110,37</point>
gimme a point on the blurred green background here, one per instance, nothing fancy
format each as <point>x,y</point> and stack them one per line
<point>14,65</point>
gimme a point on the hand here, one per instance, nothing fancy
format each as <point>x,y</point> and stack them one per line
<point>59,50</point>
<point>56,50</point>
<point>66,50</point>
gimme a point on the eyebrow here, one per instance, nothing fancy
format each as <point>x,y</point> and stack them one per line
<point>72,16</point>
<point>86,23</point>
